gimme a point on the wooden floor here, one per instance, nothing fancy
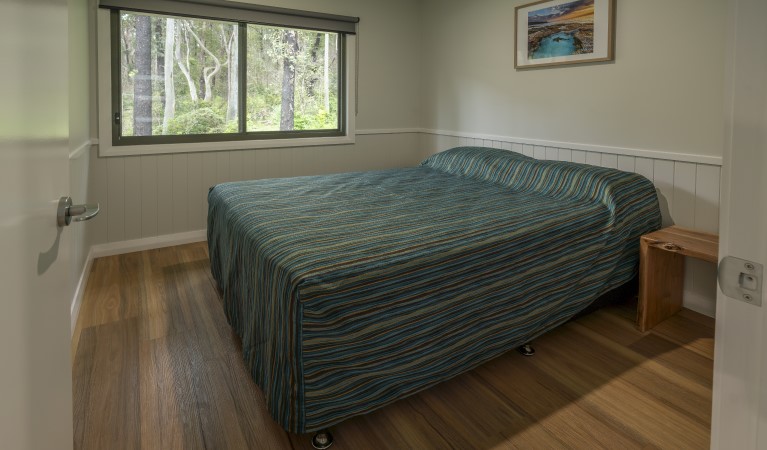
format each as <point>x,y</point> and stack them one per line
<point>156,366</point>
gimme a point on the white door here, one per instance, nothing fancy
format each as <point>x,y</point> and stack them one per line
<point>35,370</point>
<point>740,364</point>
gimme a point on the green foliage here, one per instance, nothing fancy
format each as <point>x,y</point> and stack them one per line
<point>267,54</point>
<point>318,121</point>
<point>198,121</point>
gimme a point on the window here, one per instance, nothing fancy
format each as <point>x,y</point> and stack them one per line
<point>179,78</point>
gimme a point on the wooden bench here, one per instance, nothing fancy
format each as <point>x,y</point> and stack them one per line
<point>661,270</point>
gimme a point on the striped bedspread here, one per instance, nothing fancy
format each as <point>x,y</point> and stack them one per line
<point>350,291</point>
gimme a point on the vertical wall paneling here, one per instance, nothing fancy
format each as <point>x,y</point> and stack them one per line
<point>98,192</point>
<point>552,153</point>
<point>579,156</point>
<point>272,164</point>
<point>261,168</point>
<point>707,198</point>
<point>222,167</point>
<point>644,167</point>
<point>149,196</point>
<point>528,150</point>
<point>164,194</point>
<point>249,165</point>
<point>133,197</point>
<point>593,158</point>
<point>609,160</point>
<point>195,208</point>
<point>208,177</point>
<point>180,190</point>
<point>153,195</point>
<point>116,198</point>
<point>683,210</point>
<point>664,180</point>
<point>626,163</point>
<point>236,168</point>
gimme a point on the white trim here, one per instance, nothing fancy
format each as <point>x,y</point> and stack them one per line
<point>642,153</point>
<point>104,80</point>
<point>374,132</point>
<point>159,149</point>
<point>77,300</point>
<point>81,150</point>
<point>150,243</point>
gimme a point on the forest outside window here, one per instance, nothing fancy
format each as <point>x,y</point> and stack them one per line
<point>180,79</point>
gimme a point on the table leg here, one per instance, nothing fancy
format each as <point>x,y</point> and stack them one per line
<point>661,283</point>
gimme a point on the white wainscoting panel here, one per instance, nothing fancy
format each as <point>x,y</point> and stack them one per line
<point>157,195</point>
<point>688,193</point>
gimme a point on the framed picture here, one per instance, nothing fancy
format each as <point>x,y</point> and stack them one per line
<point>554,32</point>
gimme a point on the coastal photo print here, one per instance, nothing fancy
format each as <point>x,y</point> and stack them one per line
<point>554,32</point>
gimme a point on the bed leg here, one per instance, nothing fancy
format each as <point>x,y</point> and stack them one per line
<point>322,439</point>
<point>527,350</point>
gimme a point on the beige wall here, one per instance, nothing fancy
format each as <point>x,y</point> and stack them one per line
<point>663,92</point>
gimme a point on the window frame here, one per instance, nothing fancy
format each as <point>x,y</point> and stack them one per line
<point>111,143</point>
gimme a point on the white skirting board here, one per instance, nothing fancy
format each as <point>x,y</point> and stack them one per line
<point>119,248</point>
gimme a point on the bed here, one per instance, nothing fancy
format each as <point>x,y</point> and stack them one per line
<point>353,290</point>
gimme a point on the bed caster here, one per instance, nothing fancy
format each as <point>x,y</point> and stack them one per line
<point>322,439</point>
<point>527,350</point>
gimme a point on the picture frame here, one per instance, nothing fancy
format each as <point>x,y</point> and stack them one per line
<point>558,32</point>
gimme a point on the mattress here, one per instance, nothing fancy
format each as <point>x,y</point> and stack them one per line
<point>352,290</point>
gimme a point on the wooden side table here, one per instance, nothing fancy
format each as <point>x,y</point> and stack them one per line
<point>661,270</point>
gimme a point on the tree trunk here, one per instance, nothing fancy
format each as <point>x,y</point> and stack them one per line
<point>183,64</point>
<point>287,113</point>
<point>201,62</point>
<point>142,87</point>
<point>234,67</point>
<point>326,77</point>
<point>159,53</point>
<point>314,80</point>
<point>207,72</point>
<point>169,85</point>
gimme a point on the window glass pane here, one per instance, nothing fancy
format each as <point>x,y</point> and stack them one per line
<point>179,75</point>
<point>292,79</point>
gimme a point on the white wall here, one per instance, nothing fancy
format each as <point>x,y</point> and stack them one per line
<point>663,91</point>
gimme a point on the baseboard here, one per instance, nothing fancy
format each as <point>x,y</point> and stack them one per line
<point>119,248</point>
<point>138,245</point>
<point>77,300</point>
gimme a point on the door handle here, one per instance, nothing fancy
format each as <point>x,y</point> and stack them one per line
<point>67,211</point>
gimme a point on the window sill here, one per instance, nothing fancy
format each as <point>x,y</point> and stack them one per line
<point>106,149</point>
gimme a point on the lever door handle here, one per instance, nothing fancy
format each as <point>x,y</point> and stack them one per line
<point>80,213</point>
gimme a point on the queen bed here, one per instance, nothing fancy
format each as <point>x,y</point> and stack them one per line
<point>353,290</point>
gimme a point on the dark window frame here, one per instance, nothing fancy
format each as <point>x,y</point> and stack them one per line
<point>242,134</point>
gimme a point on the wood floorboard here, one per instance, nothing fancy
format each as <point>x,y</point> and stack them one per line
<point>156,366</point>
